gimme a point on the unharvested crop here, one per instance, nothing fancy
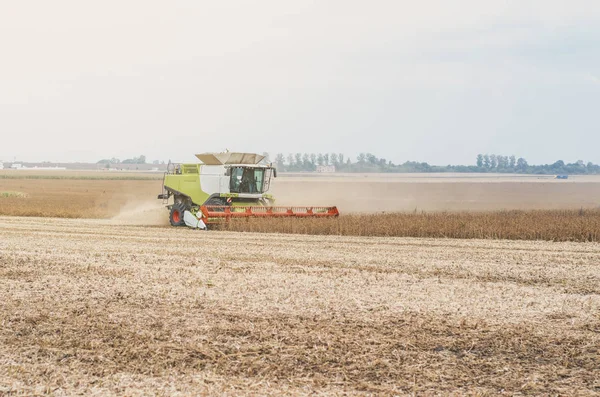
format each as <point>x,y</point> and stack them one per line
<point>553,225</point>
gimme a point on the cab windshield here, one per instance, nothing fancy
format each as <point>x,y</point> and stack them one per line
<point>247,180</point>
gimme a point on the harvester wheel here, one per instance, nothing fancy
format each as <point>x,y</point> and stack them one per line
<point>176,216</point>
<point>216,201</point>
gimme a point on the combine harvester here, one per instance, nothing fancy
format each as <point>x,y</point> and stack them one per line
<point>226,186</point>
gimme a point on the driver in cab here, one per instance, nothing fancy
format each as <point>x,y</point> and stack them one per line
<point>248,184</point>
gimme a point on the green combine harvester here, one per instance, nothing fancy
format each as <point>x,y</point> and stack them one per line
<point>223,187</point>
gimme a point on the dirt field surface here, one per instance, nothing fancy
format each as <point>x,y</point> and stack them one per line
<point>96,307</point>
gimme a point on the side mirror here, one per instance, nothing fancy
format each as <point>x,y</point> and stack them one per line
<point>228,172</point>
<point>274,172</point>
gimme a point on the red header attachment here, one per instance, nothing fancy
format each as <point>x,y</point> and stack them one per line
<point>219,213</point>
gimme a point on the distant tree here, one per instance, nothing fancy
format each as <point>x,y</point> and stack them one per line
<point>367,162</point>
<point>136,160</point>
<point>103,161</point>
<point>326,159</point>
<point>486,161</point>
<point>371,158</point>
<point>306,162</point>
<point>267,157</point>
<point>480,160</point>
<point>502,161</point>
<point>298,160</point>
<point>522,164</point>
<point>279,161</point>
<point>334,159</point>
<point>499,161</point>
<point>592,168</point>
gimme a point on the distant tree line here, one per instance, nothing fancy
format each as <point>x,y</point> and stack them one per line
<point>367,162</point>
<point>136,160</point>
<point>510,164</point>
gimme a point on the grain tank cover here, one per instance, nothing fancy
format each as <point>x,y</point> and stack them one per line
<point>229,158</point>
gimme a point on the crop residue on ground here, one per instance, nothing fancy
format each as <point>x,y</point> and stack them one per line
<point>90,306</point>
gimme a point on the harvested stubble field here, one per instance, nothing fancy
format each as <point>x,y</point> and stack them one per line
<point>74,198</point>
<point>99,175</point>
<point>96,307</point>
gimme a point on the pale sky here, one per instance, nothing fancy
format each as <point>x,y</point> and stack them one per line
<point>436,81</point>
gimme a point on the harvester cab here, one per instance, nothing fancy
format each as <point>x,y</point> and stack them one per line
<point>225,186</point>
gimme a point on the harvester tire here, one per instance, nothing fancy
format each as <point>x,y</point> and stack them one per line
<point>176,215</point>
<point>215,201</point>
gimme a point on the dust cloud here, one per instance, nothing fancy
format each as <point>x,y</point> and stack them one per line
<point>142,212</point>
<point>375,194</point>
<point>348,197</point>
<point>391,193</point>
